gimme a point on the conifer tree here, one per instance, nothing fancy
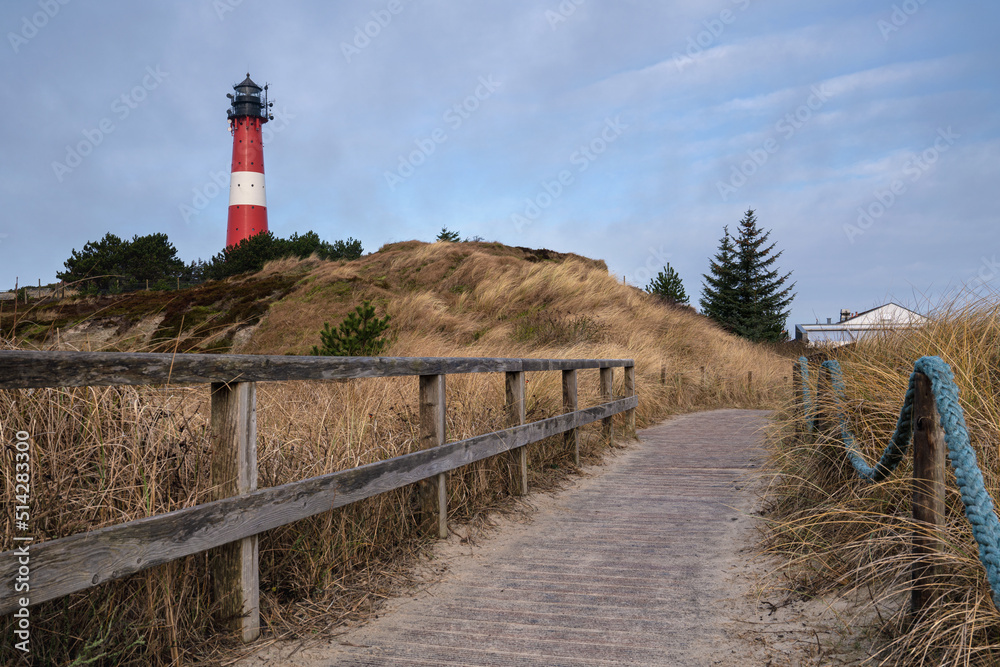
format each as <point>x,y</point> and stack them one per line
<point>718,295</point>
<point>746,294</point>
<point>359,335</point>
<point>667,285</point>
<point>448,235</point>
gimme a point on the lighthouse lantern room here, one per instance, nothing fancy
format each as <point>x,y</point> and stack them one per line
<point>248,111</point>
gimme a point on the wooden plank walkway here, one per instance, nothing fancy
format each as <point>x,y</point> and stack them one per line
<point>625,568</point>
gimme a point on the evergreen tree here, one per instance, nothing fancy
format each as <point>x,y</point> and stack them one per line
<point>302,246</point>
<point>152,257</point>
<point>359,335</point>
<point>113,263</point>
<point>746,294</point>
<point>667,285</point>
<point>251,254</point>
<point>349,249</point>
<point>448,235</point>
<point>99,261</point>
<point>718,295</point>
<point>247,256</point>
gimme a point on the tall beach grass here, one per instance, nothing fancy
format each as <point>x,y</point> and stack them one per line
<point>105,455</point>
<point>841,535</point>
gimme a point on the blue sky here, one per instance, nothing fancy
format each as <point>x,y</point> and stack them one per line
<point>866,135</point>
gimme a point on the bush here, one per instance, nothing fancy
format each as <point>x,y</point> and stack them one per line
<point>251,254</point>
<point>359,335</point>
<point>111,262</point>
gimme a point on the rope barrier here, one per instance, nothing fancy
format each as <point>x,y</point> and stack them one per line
<point>979,508</point>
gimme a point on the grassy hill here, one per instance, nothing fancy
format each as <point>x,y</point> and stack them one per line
<point>111,454</point>
<point>445,299</point>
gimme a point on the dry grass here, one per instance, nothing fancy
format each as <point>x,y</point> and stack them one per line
<point>106,455</point>
<point>837,533</point>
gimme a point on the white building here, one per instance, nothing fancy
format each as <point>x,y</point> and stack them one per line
<point>851,327</point>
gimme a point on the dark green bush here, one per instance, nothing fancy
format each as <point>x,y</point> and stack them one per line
<point>359,335</point>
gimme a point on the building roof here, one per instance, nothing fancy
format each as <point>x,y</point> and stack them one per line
<point>889,315</point>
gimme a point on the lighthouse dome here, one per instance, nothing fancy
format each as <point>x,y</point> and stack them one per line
<point>247,101</point>
<point>247,86</point>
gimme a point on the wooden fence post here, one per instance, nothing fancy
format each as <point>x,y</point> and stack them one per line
<point>607,424</point>
<point>798,409</point>
<point>432,434</point>
<point>630,391</point>
<point>234,472</point>
<point>928,492</point>
<point>571,403</point>
<point>518,459</point>
<point>824,398</point>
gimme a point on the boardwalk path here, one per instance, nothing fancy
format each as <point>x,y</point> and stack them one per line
<point>628,567</point>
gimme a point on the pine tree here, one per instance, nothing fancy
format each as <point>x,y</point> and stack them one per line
<point>667,285</point>
<point>113,262</point>
<point>100,262</point>
<point>718,295</point>
<point>448,235</point>
<point>359,335</point>
<point>152,257</point>
<point>745,293</point>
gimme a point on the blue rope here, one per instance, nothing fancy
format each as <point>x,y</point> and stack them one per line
<point>895,451</point>
<point>979,508</point>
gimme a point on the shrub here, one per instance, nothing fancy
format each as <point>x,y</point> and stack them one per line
<point>359,335</point>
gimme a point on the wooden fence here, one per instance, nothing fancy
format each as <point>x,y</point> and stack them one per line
<point>929,464</point>
<point>230,524</point>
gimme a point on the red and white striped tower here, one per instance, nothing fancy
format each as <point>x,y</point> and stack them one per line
<point>247,201</point>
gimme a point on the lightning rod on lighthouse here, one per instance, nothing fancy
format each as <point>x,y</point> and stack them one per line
<point>248,112</point>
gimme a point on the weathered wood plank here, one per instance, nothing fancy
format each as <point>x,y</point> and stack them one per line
<point>630,391</point>
<point>571,403</point>
<point>929,463</point>
<point>234,472</point>
<point>432,434</point>
<point>565,364</point>
<point>825,413</point>
<point>798,407</point>
<point>23,369</point>
<point>70,564</point>
<point>607,425</point>
<point>515,406</point>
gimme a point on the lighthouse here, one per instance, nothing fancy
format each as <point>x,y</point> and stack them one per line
<point>248,112</point>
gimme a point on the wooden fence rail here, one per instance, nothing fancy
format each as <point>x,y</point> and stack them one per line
<point>229,525</point>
